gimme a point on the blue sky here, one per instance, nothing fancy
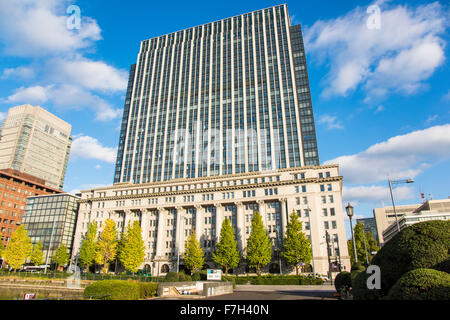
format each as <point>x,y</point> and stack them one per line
<point>380,92</point>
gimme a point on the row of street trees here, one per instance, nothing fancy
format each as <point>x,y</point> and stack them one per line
<point>20,250</point>
<point>107,247</point>
<point>366,245</point>
<point>296,247</point>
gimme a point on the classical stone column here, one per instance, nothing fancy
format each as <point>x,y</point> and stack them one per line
<point>145,225</point>
<point>240,224</point>
<point>219,220</point>
<point>126,219</point>
<point>283,216</point>
<point>179,231</point>
<point>199,216</point>
<point>160,236</point>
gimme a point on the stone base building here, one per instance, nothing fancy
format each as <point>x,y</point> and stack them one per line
<point>168,212</point>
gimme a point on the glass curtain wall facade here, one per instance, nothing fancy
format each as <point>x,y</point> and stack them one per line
<point>227,97</point>
<point>51,220</point>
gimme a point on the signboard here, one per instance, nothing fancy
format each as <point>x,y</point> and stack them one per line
<point>214,274</point>
<point>29,296</point>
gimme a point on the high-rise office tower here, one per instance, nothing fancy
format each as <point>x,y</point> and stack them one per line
<point>36,142</point>
<point>226,97</point>
<point>218,124</point>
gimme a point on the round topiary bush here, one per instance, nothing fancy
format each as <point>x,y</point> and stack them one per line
<point>343,281</point>
<point>360,290</point>
<point>443,266</point>
<point>421,284</point>
<point>113,290</point>
<point>358,266</point>
<point>422,245</point>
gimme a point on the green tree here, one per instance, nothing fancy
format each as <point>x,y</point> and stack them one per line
<point>37,256</point>
<point>19,248</point>
<point>361,237</point>
<point>132,253</point>
<point>88,247</point>
<point>226,254</point>
<point>259,247</point>
<point>107,245</point>
<point>61,256</point>
<point>193,254</point>
<point>296,246</point>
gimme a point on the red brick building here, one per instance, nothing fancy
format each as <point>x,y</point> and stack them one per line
<point>15,188</point>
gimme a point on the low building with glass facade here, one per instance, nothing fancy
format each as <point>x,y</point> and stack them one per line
<point>15,188</point>
<point>51,219</point>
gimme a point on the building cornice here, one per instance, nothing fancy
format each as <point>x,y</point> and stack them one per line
<point>214,189</point>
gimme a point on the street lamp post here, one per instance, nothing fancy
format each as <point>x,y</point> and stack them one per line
<point>391,182</point>
<point>349,210</point>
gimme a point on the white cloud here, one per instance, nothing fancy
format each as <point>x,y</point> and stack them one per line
<point>330,121</point>
<point>430,119</point>
<point>375,194</point>
<point>39,28</point>
<point>403,156</point>
<point>66,97</point>
<point>70,96</point>
<point>398,57</point>
<point>93,75</point>
<point>86,147</point>
<point>31,95</point>
<point>19,72</point>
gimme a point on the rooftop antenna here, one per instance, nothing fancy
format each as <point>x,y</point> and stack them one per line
<point>422,195</point>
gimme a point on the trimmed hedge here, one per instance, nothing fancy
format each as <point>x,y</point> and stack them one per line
<point>199,275</point>
<point>343,281</point>
<point>120,290</point>
<point>148,289</point>
<point>177,277</point>
<point>421,284</point>
<point>113,290</point>
<point>359,287</point>
<point>422,245</point>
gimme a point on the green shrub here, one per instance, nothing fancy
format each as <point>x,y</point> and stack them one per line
<point>421,284</point>
<point>353,275</point>
<point>113,290</point>
<point>359,287</point>
<point>422,245</point>
<point>196,276</point>
<point>358,266</point>
<point>343,281</point>
<point>443,266</point>
<point>171,276</point>
<point>148,289</point>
